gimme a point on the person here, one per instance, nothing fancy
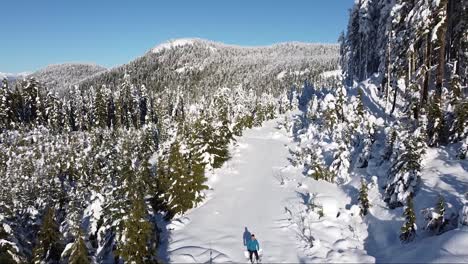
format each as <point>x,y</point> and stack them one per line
<point>253,247</point>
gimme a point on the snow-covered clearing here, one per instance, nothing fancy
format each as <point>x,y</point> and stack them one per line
<point>247,193</point>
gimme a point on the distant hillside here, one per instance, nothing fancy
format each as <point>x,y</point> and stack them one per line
<point>60,76</point>
<point>12,77</point>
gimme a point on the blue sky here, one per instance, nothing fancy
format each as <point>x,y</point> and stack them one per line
<point>37,33</point>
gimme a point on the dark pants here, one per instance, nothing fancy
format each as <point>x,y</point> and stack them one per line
<point>253,252</point>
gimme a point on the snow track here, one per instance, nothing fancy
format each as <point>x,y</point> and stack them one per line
<point>245,195</point>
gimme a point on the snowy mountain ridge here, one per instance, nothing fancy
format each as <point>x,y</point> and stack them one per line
<point>177,43</point>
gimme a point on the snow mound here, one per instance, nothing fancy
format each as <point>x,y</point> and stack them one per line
<point>328,74</point>
<point>178,223</point>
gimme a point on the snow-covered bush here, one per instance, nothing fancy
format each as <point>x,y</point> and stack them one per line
<point>340,165</point>
<point>463,150</point>
<point>435,217</point>
<point>463,216</point>
<point>304,224</point>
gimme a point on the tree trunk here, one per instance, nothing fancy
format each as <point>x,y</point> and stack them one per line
<point>441,54</point>
<point>395,89</point>
<point>427,62</point>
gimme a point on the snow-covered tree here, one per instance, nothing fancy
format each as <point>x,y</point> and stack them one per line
<point>405,172</point>
<point>137,245</point>
<point>363,198</point>
<point>408,230</point>
<point>340,165</point>
<point>48,246</point>
<point>79,251</point>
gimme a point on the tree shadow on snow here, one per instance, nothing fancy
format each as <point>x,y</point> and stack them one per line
<point>246,237</point>
<point>304,196</point>
<point>353,193</point>
<point>459,186</point>
<point>163,243</point>
<point>383,237</point>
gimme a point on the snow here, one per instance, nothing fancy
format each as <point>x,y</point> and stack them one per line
<point>13,76</point>
<point>173,44</point>
<point>281,75</point>
<point>328,74</point>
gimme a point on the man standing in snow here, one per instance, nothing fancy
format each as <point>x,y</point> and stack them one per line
<point>253,247</point>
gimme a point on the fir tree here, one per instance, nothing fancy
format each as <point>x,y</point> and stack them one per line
<point>408,230</point>
<point>4,106</point>
<point>138,231</point>
<point>100,109</point>
<point>79,251</point>
<point>363,198</point>
<point>436,130</point>
<point>459,129</point>
<point>6,249</point>
<point>48,246</point>
<point>360,106</point>
<point>182,178</point>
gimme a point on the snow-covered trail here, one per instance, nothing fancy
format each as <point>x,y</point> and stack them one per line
<point>246,194</point>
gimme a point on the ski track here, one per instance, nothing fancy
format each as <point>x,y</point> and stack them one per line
<point>247,193</point>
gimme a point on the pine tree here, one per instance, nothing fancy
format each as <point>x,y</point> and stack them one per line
<point>329,114</point>
<point>459,128</point>
<point>138,231</point>
<point>408,230</point>
<point>436,128</point>
<point>360,106</point>
<point>363,198</point>
<point>340,103</point>
<point>4,106</point>
<point>390,144</point>
<point>48,246</point>
<point>100,109</point>
<point>6,249</point>
<point>79,251</point>
<point>143,104</point>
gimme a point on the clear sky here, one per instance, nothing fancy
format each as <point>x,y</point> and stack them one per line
<point>37,33</point>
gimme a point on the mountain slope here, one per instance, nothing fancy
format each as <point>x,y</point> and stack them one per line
<point>200,66</point>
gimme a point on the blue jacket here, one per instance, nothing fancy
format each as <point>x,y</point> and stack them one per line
<point>253,245</point>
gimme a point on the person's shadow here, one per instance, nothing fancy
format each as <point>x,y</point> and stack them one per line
<point>247,236</point>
